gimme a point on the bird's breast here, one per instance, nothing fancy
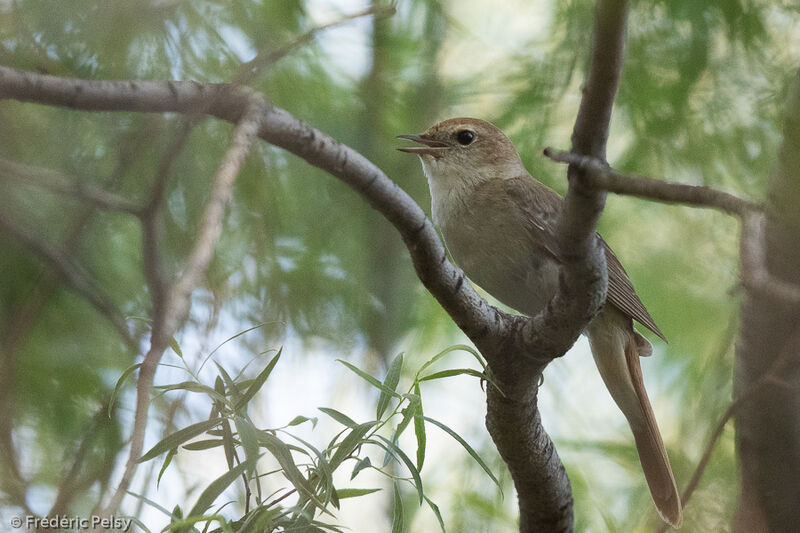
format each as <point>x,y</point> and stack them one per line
<point>492,248</point>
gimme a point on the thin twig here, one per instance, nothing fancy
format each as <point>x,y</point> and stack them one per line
<point>58,182</point>
<point>249,70</point>
<point>178,301</point>
<point>754,272</point>
<point>151,228</point>
<point>77,278</point>
<point>604,177</point>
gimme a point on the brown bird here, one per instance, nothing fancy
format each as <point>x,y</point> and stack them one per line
<point>499,225</point>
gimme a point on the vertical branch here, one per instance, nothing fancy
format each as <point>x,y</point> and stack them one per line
<point>768,425</point>
<point>178,299</point>
<point>513,420</point>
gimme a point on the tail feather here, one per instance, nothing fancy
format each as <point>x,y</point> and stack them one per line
<point>616,350</point>
<point>652,453</point>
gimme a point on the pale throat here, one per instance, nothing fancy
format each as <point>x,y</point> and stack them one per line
<point>452,184</point>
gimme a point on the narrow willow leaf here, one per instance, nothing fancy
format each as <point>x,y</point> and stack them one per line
<point>233,389</point>
<point>398,519</point>
<point>258,382</point>
<point>462,347</point>
<point>419,430</point>
<point>203,444</point>
<point>389,383</point>
<point>354,493</point>
<point>175,347</point>
<point>408,415</point>
<point>396,451</point>
<point>220,345</point>
<point>151,503</point>
<point>435,509</point>
<point>121,381</point>
<point>339,417</point>
<point>212,492</point>
<point>369,379</point>
<point>467,447</point>
<point>349,443</point>
<point>179,437</point>
<point>360,465</point>
<point>461,371</point>
<point>280,450</point>
<point>193,386</point>
<point>228,444</point>
<point>167,461</point>
<point>296,421</point>
<point>248,436</point>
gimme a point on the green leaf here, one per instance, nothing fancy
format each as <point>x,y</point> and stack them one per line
<point>408,415</point>
<point>220,345</point>
<point>175,347</point>
<point>233,389</point>
<point>467,447</point>
<point>280,450</point>
<point>228,444</point>
<point>369,379</point>
<point>216,488</point>
<point>460,371</point>
<point>296,421</point>
<point>339,417</point>
<point>248,436</point>
<point>167,461</point>
<point>179,437</point>
<point>349,443</point>
<point>193,386</point>
<point>398,519</point>
<point>360,465</point>
<point>411,468</point>
<point>203,444</point>
<point>128,371</point>
<point>343,494</point>
<point>389,383</point>
<point>461,347</point>
<point>435,509</point>
<point>151,503</point>
<point>258,383</point>
<point>419,430</point>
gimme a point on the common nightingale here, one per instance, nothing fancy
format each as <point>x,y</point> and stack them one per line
<point>499,225</point>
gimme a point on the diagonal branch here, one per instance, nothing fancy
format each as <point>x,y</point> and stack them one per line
<point>58,182</point>
<point>583,277</point>
<point>80,281</point>
<point>263,60</point>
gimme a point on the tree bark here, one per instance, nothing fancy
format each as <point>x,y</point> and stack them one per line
<point>768,421</point>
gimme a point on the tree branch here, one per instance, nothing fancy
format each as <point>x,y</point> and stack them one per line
<point>583,279</point>
<point>601,176</point>
<point>80,281</point>
<point>263,60</point>
<point>60,183</point>
<point>753,260</point>
<point>545,495</point>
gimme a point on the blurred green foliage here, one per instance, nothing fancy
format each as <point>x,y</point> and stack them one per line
<point>700,101</point>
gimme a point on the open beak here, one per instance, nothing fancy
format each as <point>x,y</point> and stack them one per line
<point>430,147</point>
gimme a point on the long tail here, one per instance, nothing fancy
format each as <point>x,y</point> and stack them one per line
<point>616,353</point>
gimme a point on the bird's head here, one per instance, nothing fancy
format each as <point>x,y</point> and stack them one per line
<point>462,151</point>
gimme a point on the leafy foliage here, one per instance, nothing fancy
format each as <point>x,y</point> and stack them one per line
<point>307,470</point>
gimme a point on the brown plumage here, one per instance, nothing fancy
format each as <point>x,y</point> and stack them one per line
<point>499,224</point>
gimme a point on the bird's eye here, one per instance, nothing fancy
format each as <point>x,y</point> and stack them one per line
<point>465,137</point>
